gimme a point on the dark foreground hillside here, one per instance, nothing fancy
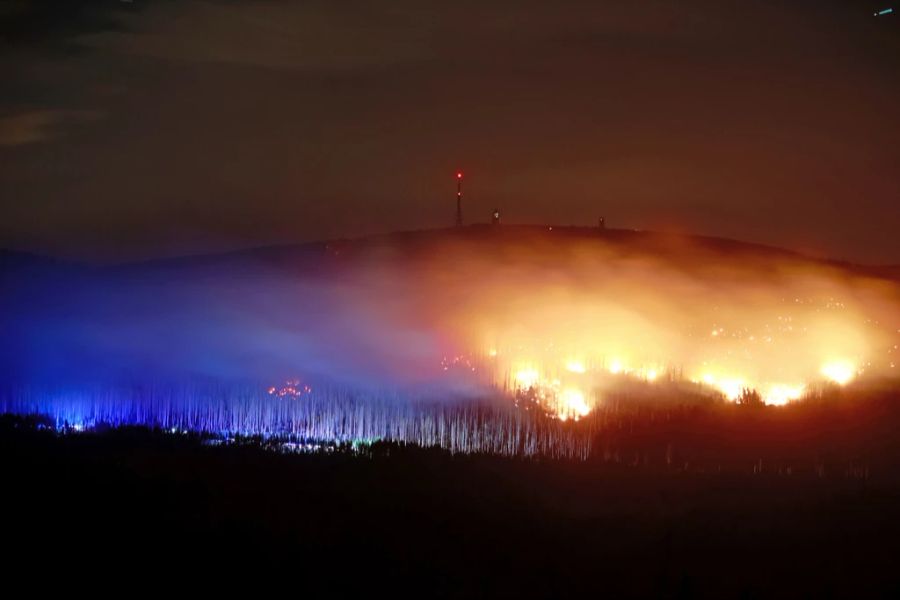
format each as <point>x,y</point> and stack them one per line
<point>138,508</point>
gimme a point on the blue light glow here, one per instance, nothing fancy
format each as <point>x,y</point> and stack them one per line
<point>310,423</point>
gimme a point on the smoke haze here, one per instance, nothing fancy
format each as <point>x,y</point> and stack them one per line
<point>460,311</point>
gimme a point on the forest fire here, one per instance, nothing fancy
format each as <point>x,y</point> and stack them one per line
<point>292,388</point>
<point>512,341</point>
<point>566,322</point>
<point>557,383</point>
<point>586,299</point>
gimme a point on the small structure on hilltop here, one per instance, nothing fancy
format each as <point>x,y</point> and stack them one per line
<point>495,217</point>
<point>601,223</point>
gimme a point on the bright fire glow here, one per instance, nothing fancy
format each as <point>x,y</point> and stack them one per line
<point>780,394</point>
<point>575,366</point>
<point>526,378</point>
<point>616,366</point>
<point>839,371</point>
<point>596,317</point>
<point>572,404</point>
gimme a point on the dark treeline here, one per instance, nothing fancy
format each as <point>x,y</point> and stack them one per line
<point>708,514</point>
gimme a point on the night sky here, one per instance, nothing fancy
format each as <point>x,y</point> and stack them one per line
<point>145,129</point>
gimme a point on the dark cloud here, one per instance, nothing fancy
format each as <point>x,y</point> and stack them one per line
<point>230,124</point>
<point>58,22</point>
<point>39,125</point>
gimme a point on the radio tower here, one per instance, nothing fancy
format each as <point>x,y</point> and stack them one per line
<point>459,199</point>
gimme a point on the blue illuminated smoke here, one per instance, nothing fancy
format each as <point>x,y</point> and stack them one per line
<point>127,346</point>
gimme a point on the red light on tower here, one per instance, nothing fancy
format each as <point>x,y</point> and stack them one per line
<point>459,220</point>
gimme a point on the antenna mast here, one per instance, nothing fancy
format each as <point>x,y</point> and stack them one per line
<point>459,220</point>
